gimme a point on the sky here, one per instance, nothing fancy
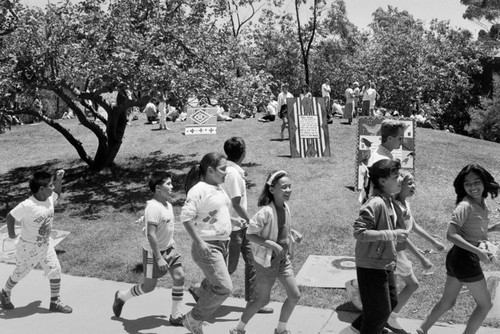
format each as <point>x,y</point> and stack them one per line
<point>360,12</point>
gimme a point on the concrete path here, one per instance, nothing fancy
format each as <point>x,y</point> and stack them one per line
<point>91,300</point>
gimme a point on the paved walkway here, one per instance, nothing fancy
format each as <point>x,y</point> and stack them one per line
<point>92,298</point>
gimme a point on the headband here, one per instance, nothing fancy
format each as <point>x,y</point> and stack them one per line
<point>273,176</point>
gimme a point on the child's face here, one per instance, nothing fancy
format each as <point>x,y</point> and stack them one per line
<point>474,186</point>
<point>408,186</point>
<point>165,189</point>
<point>282,189</point>
<point>45,192</point>
<point>391,184</point>
<point>218,174</point>
<point>394,142</point>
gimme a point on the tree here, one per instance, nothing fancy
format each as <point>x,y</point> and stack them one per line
<point>81,51</point>
<point>306,34</point>
<point>482,10</point>
<point>485,120</point>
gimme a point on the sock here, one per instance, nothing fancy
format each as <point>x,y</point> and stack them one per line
<point>134,291</point>
<point>55,286</point>
<point>281,326</point>
<point>241,326</point>
<point>177,295</point>
<point>9,285</point>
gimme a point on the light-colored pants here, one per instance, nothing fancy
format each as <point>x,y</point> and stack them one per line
<point>163,114</point>
<point>29,254</point>
<point>217,285</point>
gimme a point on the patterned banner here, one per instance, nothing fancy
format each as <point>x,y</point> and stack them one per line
<point>308,128</point>
<point>369,140</point>
<point>201,121</point>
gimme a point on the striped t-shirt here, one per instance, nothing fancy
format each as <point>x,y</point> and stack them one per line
<point>472,221</point>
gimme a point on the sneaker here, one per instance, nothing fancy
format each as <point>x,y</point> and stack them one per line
<point>58,306</point>
<point>118,305</point>
<point>349,330</point>
<point>286,331</point>
<point>352,289</point>
<point>265,310</point>
<point>236,331</point>
<point>5,301</point>
<point>192,325</point>
<point>192,291</point>
<point>176,321</point>
<point>394,326</point>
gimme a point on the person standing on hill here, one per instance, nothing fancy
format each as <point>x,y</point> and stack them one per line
<point>349,103</point>
<point>282,107</point>
<point>325,93</point>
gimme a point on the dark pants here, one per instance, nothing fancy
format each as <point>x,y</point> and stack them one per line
<point>240,244</point>
<point>379,296</point>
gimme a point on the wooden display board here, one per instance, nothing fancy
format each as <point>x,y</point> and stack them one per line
<point>308,128</point>
<point>369,139</point>
<point>201,121</point>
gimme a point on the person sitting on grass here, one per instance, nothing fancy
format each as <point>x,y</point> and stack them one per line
<point>159,257</point>
<point>36,215</point>
<point>270,115</point>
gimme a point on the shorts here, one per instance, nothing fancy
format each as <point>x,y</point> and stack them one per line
<point>404,266</point>
<point>151,269</point>
<point>463,265</point>
<point>283,111</point>
<point>29,254</point>
<point>281,266</point>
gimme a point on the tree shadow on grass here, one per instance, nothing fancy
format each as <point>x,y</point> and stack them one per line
<point>123,188</point>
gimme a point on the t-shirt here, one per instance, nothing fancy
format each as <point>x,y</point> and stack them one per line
<point>325,90</point>
<point>472,221</point>
<point>349,98</point>
<point>271,108</point>
<point>234,185</point>
<point>163,218</point>
<point>150,110</point>
<point>36,218</point>
<point>208,206</point>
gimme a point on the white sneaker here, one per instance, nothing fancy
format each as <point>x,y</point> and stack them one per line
<point>349,330</point>
<point>353,293</point>
<point>192,325</point>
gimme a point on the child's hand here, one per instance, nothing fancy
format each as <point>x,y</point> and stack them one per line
<point>59,174</point>
<point>401,235</point>
<point>162,264</point>
<point>439,246</point>
<point>484,255</point>
<point>277,249</point>
<point>203,250</point>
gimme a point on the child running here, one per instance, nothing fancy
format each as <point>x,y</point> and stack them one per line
<point>404,266</point>
<point>36,215</point>
<point>206,217</point>
<point>468,227</point>
<point>270,235</point>
<point>376,232</point>
<point>158,253</point>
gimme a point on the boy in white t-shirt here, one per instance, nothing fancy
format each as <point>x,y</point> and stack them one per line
<point>158,249</point>
<point>36,215</point>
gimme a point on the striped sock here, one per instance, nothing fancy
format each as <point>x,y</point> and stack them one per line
<point>134,291</point>
<point>55,287</point>
<point>9,285</point>
<point>177,295</point>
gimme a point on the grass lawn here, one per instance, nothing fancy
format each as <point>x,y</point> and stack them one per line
<point>100,210</point>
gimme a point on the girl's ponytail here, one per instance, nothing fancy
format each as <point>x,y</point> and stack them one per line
<point>193,177</point>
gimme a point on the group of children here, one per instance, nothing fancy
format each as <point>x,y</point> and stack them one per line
<point>216,218</point>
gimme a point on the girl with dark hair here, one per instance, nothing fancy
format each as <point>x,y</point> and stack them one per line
<point>206,217</point>
<point>377,230</point>
<point>271,239</point>
<point>468,229</point>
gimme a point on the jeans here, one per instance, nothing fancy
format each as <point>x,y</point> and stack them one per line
<point>379,296</point>
<point>239,243</point>
<point>217,285</point>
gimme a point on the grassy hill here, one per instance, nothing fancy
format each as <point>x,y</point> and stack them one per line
<point>100,210</point>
